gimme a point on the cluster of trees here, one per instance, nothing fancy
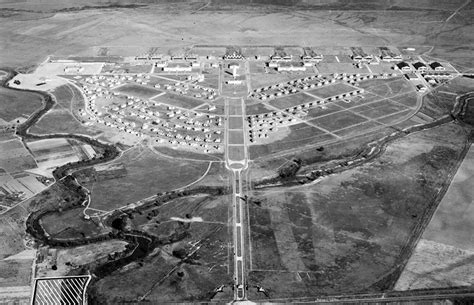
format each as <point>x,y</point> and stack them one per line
<point>290,169</point>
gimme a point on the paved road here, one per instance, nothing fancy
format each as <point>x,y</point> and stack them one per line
<point>237,162</point>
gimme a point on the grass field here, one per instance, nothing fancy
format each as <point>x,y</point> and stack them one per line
<point>61,121</point>
<point>444,256</point>
<point>338,120</point>
<point>14,157</point>
<point>331,90</point>
<point>236,137</point>
<point>235,123</point>
<point>257,108</point>
<point>146,174</point>
<point>236,152</point>
<point>190,279</point>
<point>300,135</point>
<point>359,129</point>
<point>138,91</point>
<point>127,68</point>
<point>394,117</point>
<point>387,87</point>
<point>184,154</point>
<point>340,67</point>
<point>409,99</point>
<point>380,108</point>
<point>178,100</point>
<point>323,110</point>
<point>345,233</point>
<point>71,224</point>
<point>291,100</point>
<point>15,104</point>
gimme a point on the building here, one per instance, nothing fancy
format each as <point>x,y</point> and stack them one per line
<point>178,68</point>
<point>437,66</point>
<point>411,76</point>
<point>403,66</point>
<point>421,88</point>
<point>291,67</point>
<point>419,66</point>
<point>73,69</point>
<point>233,56</point>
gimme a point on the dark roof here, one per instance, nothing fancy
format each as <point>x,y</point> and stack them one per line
<point>435,64</point>
<point>402,64</point>
<point>418,65</point>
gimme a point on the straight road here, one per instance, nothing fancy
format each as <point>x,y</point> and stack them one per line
<point>236,163</point>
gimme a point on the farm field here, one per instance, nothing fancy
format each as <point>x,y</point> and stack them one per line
<point>51,153</point>
<point>18,187</point>
<point>327,242</point>
<point>443,258</point>
<point>18,104</point>
<point>14,156</point>
<point>144,174</point>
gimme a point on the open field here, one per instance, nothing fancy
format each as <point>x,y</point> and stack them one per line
<point>185,270</point>
<point>257,108</point>
<point>145,174</point>
<point>338,120</point>
<point>299,135</point>
<point>138,91</point>
<point>340,67</point>
<point>291,100</point>
<point>51,153</point>
<point>379,109</point>
<point>237,152</point>
<point>331,90</point>
<point>15,272</point>
<point>235,123</point>
<point>64,117</point>
<point>18,187</point>
<point>69,258</point>
<point>14,157</point>
<point>236,137</point>
<point>387,87</point>
<point>178,100</point>
<point>71,224</point>
<point>185,154</point>
<point>126,68</point>
<point>445,255</point>
<point>61,121</point>
<point>328,242</point>
<point>16,104</point>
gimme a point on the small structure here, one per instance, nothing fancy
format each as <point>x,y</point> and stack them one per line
<point>437,66</point>
<point>403,66</point>
<point>419,66</point>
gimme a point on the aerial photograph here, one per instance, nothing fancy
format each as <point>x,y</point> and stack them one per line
<point>236,152</point>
